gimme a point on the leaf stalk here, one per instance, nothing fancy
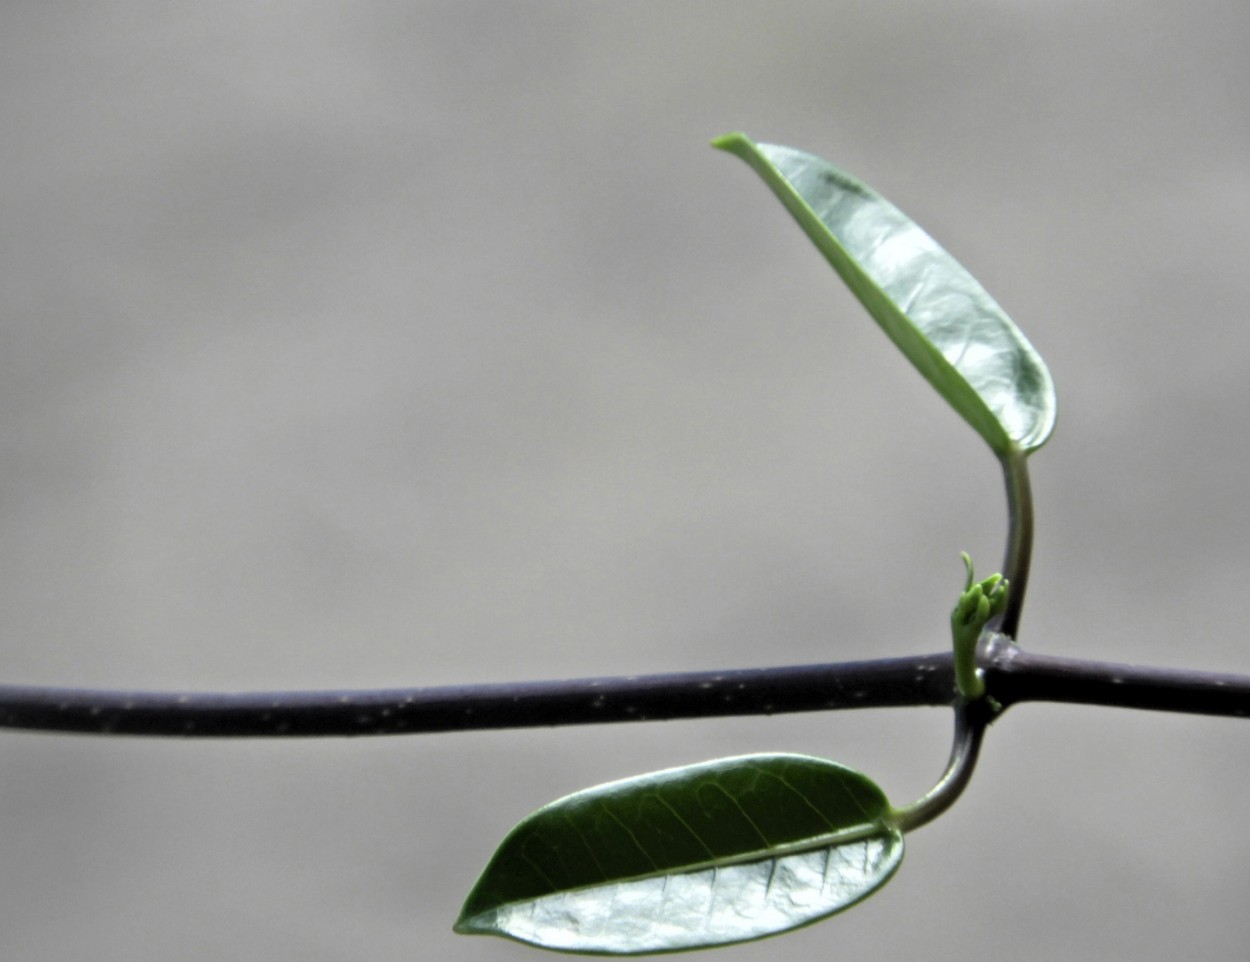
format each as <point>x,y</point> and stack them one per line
<point>1019,537</point>
<point>971,720</point>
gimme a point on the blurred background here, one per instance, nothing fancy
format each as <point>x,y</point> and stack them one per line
<point>378,343</point>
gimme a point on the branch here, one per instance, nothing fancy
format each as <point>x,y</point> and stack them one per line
<point>1012,677</point>
<point>887,683</point>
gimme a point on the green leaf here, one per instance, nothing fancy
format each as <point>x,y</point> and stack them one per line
<point>722,852</point>
<point>930,307</point>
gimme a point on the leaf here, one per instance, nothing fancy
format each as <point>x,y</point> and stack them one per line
<point>929,306</point>
<point>721,852</point>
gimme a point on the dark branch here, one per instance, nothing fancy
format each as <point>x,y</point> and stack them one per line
<point>1012,676</point>
<point>894,682</point>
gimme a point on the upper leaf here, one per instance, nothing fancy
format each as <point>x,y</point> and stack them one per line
<point>726,851</point>
<point>935,312</point>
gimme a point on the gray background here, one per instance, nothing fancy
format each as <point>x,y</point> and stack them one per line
<point>368,344</point>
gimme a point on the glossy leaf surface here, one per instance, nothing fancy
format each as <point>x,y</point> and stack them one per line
<point>931,308</point>
<point>726,851</point>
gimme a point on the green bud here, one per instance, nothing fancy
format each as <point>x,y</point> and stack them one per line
<point>980,601</point>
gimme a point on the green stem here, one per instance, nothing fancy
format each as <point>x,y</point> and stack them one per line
<point>1019,538</point>
<point>971,719</point>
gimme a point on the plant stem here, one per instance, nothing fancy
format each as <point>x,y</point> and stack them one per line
<point>893,682</point>
<point>1019,538</point>
<point>1012,677</point>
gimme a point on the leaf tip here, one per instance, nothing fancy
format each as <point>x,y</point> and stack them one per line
<point>734,142</point>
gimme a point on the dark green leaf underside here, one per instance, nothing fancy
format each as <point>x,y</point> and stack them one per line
<point>722,852</point>
<point>935,311</point>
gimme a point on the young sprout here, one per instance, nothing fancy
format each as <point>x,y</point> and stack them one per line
<point>980,602</point>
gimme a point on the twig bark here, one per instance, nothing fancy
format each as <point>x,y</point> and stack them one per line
<point>1012,677</point>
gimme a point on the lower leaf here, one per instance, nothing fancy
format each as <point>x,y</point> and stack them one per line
<point>722,852</point>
